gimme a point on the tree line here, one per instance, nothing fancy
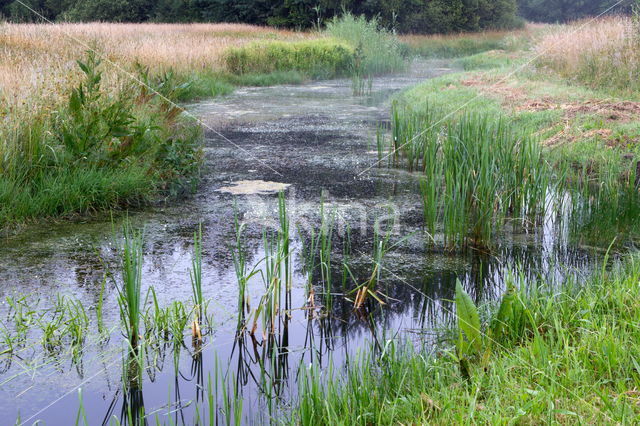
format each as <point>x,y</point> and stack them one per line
<point>570,10</point>
<point>405,16</point>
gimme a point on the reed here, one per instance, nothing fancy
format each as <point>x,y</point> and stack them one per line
<point>276,274</point>
<point>130,289</point>
<point>323,58</point>
<point>195,274</point>
<point>238,254</point>
<point>156,319</point>
<point>478,170</point>
<point>381,51</point>
<point>325,247</point>
<point>100,307</point>
<point>361,79</point>
<point>243,275</point>
<point>370,288</point>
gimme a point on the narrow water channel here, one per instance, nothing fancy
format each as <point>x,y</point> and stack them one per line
<point>316,142</point>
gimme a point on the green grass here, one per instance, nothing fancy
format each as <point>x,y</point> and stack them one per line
<point>575,358</point>
<point>322,58</point>
<point>355,46</point>
<point>195,274</point>
<point>478,169</point>
<point>67,192</point>
<point>486,60</point>
<point>463,45</point>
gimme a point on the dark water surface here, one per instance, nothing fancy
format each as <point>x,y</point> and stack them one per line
<point>318,140</point>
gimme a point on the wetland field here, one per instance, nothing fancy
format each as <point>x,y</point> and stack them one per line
<point>234,224</point>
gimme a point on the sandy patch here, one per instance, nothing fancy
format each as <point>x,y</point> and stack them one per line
<point>253,187</point>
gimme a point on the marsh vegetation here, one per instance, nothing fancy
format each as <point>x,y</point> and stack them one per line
<point>476,266</point>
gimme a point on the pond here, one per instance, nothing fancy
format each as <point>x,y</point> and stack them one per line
<point>316,143</point>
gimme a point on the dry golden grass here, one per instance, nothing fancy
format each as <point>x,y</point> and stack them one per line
<point>602,53</point>
<point>38,60</point>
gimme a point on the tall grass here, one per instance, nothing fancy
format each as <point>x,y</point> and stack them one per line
<point>95,151</point>
<point>129,294</point>
<point>478,170</point>
<point>276,276</point>
<point>35,57</point>
<point>195,275</point>
<point>80,140</point>
<point>466,44</point>
<point>381,51</point>
<point>603,54</point>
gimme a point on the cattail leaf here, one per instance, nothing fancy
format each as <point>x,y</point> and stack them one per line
<point>468,318</point>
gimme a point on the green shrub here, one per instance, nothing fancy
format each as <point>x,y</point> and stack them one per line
<point>323,58</point>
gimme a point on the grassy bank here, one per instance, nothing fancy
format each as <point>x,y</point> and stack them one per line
<point>568,356</point>
<point>318,59</point>
<point>587,133</point>
<point>467,44</point>
<point>554,89</point>
<point>97,149</point>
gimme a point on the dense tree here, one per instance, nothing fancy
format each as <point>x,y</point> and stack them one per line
<point>567,10</point>
<point>111,10</point>
<point>424,16</point>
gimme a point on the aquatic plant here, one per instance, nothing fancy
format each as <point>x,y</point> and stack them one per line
<point>100,306</point>
<point>276,274</point>
<point>361,81</point>
<point>195,274</point>
<point>238,255</point>
<point>325,247</point>
<point>478,170</point>
<point>371,286</point>
<point>129,292</point>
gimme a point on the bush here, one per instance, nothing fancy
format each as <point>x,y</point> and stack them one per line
<point>323,58</point>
